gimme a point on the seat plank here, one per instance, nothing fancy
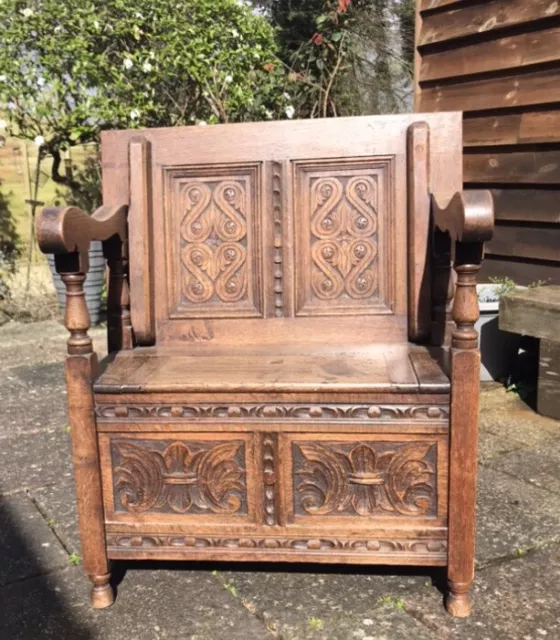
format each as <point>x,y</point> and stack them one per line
<point>384,368</point>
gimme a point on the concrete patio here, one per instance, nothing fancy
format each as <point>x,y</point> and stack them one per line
<point>43,593</point>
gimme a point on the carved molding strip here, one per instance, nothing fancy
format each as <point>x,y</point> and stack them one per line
<point>365,412</point>
<point>269,449</point>
<point>365,479</point>
<point>376,546</point>
<point>277,217</point>
<point>203,477</point>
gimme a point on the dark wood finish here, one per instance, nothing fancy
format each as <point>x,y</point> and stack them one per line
<point>276,389</point>
<point>536,312</point>
<point>499,62</point>
<point>140,242</point>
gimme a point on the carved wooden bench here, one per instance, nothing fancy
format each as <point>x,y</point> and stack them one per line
<point>278,386</point>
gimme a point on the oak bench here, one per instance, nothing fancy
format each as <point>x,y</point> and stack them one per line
<point>286,379</point>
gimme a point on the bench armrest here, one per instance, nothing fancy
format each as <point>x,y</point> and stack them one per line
<point>469,216</point>
<point>71,230</point>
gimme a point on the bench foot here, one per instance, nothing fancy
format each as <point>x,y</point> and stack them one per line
<point>102,593</point>
<point>458,601</point>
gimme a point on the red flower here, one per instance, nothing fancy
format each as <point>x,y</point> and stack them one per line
<point>268,67</point>
<point>343,6</point>
<point>317,39</point>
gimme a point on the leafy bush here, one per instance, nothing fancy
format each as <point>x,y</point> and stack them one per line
<point>10,248</point>
<point>70,69</point>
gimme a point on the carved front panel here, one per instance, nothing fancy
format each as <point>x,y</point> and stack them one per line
<point>214,242</point>
<point>343,257</point>
<point>192,477</point>
<point>367,479</point>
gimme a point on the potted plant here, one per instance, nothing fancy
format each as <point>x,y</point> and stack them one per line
<point>498,349</point>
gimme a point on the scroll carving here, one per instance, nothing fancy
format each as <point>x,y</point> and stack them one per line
<point>214,231</point>
<point>201,477</point>
<point>370,413</point>
<point>365,479</point>
<point>343,228</point>
<point>378,546</point>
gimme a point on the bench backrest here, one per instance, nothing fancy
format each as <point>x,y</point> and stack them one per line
<point>297,232</point>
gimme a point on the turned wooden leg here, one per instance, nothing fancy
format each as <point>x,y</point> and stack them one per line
<point>81,369</point>
<point>102,594</point>
<point>465,374</point>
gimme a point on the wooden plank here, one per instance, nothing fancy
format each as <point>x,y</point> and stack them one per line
<point>140,242</point>
<point>475,18</point>
<point>524,273</point>
<point>535,312</point>
<point>512,128</point>
<point>512,90</point>
<point>426,5</point>
<point>541,243</point>
<point>529,205</point>
<point>419,279</point>
<point>506,53</point>
<point>519,167</point>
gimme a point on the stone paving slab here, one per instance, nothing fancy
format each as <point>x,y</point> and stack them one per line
<point>538,465</point>
<point>34,398</point>
<point>34,459</point>
<point>40,343</point>
<point>58,506</point>
<point>505,415</point>
<point>512,516</point>
<point>515,600</point>
<point>168,603</point>
<point>339,602</point>
<point>28,547</point>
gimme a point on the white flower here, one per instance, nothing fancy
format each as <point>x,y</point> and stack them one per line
<point>235,33</point>
<point>201,123</point>
<point>269,115</point>
<point>39,141</point>
<point>228,79</point>
<point>287,95</point>
<point>289,111</point>
<point>40,82</point>
<point>134,114</point>
<point>57,28</point>
<point>146,67</point>
<point>128,64</point>
<point>3,78</point>
<point>27,12</point>
<point>96,24</point>
<point>3,125</point>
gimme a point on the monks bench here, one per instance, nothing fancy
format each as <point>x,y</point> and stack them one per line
<point>286,380</point>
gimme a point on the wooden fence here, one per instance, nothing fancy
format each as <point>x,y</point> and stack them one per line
<point>499,62</point>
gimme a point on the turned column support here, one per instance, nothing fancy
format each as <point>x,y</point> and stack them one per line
<point>81,369</point>
<point>468,221</point>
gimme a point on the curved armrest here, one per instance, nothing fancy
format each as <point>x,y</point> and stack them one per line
<point>469,216</point>
<point>71,230</point>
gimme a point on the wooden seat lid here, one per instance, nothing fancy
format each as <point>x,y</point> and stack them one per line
<point>382,368</point>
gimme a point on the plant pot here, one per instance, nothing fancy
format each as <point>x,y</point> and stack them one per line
<point>92,286</point>
<point>498,349</point>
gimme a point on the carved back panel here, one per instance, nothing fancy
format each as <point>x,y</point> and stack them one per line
<point>277,232</point>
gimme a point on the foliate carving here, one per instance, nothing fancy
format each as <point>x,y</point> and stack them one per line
<point>277,218</point>
<point>343,244</point>
<point>272,412</point>
<point>376,546</point>
<point>364,479</point>
<point>214,251</point>
<point>269,448</point>
<point>201,477</point>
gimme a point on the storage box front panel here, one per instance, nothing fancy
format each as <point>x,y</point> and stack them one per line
<point>196,479</point>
